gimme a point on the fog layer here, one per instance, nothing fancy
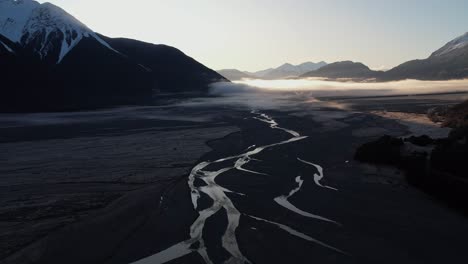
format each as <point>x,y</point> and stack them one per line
<point>322,88</point>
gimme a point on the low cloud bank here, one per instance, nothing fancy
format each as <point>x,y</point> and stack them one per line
<point>251,94</point>
<point>271,94</point>
<point>321,88</point>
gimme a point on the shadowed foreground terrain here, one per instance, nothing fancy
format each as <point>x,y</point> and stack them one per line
<point>436,165</point>
<point>265,186</point>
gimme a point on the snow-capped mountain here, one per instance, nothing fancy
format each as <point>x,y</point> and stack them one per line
<point>448,62</point>
<point>50,61</point>
<point>454,45</point>
<point>13,17</point>
<point>47,29</point>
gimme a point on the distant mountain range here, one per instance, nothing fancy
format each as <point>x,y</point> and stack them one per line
<point>449,62</point>
<point>236,75</point>
<point>50,61</point>
<point>344,69</point>
<point>284,71</point>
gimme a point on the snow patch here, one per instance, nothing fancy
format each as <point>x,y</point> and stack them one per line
<point>13,17</point>
<point>47,26</point>
<point>6,47</point>
<point>455,44</point>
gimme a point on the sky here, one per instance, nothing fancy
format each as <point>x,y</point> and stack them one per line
<point>258,34</point>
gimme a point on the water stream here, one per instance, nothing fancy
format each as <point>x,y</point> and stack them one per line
<point>220,200</point>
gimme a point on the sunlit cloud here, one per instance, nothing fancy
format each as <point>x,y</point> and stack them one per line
<point>381,68</point>
<point>322,88</point>
<point>290,94</point>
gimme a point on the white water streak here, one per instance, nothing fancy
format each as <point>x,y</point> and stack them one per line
<point>251,147</point>
<point>299,234</point>
<point>174,252</point>
<point>220,200</point>
<point>284,202</point>
<point>318,177</point>
<point>273,124</point>
<point>242,161</point>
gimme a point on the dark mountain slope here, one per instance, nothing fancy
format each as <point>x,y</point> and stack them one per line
<point>448,62</point>
<point>91,76</point>
<point>235,75</point>
<point>50,61</point>
<point>344,69</point>
<point>445,67</point>
<point>170,69</point>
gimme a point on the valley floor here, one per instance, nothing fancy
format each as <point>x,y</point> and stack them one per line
<point>201,184</point>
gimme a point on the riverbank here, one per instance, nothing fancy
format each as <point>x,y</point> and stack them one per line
<point>376,216</point>
<point>434,162</point>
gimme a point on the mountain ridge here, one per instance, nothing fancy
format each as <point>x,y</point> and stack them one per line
<point>284,71</point>
<point>235,75</point>
<point>448,62</point>
<point>345,70</point>
<point>59,64</point>
<point>40,26</point>
<point>457,43</point>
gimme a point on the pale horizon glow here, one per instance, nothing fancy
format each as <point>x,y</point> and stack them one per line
<point>292,94</point>
<point>338,88</point>
<point>254,35</point>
